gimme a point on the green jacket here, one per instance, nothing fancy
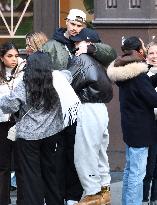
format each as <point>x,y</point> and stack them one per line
<point>59,54</point>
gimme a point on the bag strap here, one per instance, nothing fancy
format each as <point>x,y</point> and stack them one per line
<point>67,49</point>
<point>27,112</point>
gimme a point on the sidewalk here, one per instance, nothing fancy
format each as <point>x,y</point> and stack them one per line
<point>116,189</point>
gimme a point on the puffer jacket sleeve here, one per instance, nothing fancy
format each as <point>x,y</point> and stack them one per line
<point>105,54</point>
<point>49,47</point>
<point>59,54</point>
<point>90,80</point>
<point>99,87</point>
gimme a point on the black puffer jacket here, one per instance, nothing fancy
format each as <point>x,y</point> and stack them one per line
<point>90,81</point>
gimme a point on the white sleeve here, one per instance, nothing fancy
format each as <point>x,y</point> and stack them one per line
<point>68,75</point>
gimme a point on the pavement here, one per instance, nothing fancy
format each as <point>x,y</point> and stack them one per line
<point>116,189</point>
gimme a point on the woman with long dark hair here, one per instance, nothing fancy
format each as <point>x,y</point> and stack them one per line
<point>11,67</point>
<point>44,110</point>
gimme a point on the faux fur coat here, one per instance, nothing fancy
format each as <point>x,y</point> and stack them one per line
<point>137,98</point>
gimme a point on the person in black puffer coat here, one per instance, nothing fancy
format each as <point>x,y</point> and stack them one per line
<point>94,89</point>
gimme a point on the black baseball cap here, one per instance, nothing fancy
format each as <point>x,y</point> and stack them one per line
<point>86,34</point>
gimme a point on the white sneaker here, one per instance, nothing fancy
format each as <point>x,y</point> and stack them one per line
<point>71,202</point>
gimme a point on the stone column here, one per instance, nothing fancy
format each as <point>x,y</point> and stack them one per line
<point>46,16</point>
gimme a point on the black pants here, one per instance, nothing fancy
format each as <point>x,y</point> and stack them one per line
<point>151,175</point>
<point>73,190</point>
<point>42,162</point>
<point>7,149</point>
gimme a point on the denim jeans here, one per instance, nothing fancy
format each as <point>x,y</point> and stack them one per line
<point>134,172</point>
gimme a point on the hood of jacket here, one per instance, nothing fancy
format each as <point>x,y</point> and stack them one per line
<point>59,36</point>
<point>126,67</point>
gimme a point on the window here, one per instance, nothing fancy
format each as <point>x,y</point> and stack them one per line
<point>16,19</point>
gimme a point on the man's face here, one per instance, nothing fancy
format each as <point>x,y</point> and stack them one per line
<point>74,27</point>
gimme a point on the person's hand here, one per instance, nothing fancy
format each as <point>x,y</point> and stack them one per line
<point>82,47</point>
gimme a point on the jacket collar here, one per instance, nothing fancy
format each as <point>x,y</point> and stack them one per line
<point>126,72</point>
<point>127,66</point>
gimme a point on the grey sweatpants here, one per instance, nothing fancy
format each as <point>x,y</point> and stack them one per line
<point>91,142</point>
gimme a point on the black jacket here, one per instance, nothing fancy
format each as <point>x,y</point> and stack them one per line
<point>138,99</point>
<point>90,81</point>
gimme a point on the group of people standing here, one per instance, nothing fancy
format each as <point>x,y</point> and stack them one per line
<point>45,103</point>
<point>56,97</point>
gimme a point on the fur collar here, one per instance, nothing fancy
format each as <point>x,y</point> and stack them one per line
<point>129,71</point>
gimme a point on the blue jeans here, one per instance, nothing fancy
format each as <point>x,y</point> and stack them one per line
<point>134,172</point>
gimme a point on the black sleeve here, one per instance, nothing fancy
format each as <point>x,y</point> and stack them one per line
<point>147,91</point>
<point>98,85</point>
<point>153,80</point>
